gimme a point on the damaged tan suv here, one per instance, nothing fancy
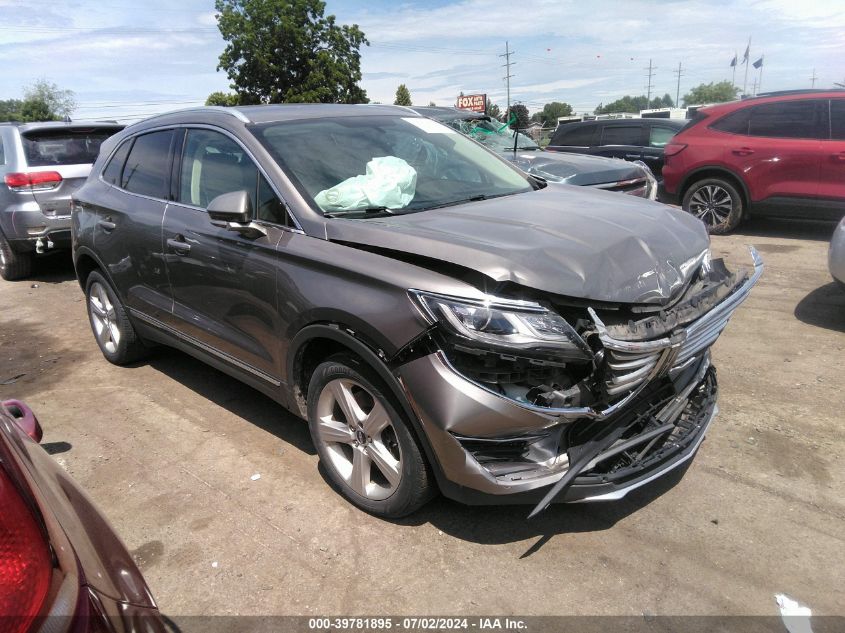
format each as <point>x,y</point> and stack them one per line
<point>442,320</point>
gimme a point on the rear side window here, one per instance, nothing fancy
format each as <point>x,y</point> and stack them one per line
<point>659,136</point>
<point>735,122</point>
<point>62,146</point>
<point>787,119</point>
<point>147,165</point>
<point>2,153</point>
<point>577,135</point>
<point>837,119</point>
<point>621,135</point>
<point>113,171</point>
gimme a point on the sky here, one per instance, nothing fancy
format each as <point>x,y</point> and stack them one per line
<point>125,59</point>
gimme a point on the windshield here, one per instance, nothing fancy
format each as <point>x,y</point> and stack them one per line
<point>368,165</point>
<point>494,134</point>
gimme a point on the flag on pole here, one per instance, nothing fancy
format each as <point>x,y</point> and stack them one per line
<point>733,61</point>
<point>758,63</point>
<point>747,51</point>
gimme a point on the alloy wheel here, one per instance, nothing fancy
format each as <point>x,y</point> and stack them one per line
<point>711,204</point>
<point>104,318</point>
<point>359,438</point>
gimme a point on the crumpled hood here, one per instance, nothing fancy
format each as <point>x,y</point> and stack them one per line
<point>574,169</point>
<point>570,241</point>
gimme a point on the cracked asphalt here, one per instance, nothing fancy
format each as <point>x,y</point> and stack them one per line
<point>168,450</point>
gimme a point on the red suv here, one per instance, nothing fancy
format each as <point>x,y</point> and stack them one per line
<point>781,154</point>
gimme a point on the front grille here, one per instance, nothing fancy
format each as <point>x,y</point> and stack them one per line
<point>627,370</point>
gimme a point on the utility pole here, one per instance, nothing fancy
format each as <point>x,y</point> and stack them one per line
<point>754,88</point>
<point>650,70</point>
<point>507,66</point>
<point>813,79</point>
<point>678,72</point>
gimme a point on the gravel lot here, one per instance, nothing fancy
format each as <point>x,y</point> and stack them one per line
<point>168,449</point>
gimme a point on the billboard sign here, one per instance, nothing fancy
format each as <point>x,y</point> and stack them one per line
<point>476,103</point>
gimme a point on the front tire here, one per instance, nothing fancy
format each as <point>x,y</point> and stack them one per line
<point>716,202</point>
<point>366,446</point>
<point>112,329</point>
<point>13,264</point>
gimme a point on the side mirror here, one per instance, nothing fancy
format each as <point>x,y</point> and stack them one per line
<point>234,206</point>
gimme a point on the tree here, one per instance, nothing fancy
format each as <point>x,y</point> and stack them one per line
<point>289,51</point>
<point>10,110</point>
<point>711,93</point>
<point>521,113</point>
<point>403,96</point>
<point>551,111</point>
<point>630,103</point>
<point>45,101</point>
<point>492,110</point>
<point>222,99</point>
<point>431,104</point>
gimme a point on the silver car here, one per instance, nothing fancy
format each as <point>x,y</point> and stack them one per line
<point>42,164</point>
<point>836,255</point>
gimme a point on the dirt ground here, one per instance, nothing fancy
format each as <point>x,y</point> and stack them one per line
<point>168,450</point>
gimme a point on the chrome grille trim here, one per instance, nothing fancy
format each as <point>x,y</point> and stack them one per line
<point>627,360</point>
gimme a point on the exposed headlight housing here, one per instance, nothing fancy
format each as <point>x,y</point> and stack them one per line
<point>518,325</point>
<point>651,188</point>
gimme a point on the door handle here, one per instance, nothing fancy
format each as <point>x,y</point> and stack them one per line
<point>107,225</point>
<point>840,156</point>
<point>742,151</point>
<point>179,245</point>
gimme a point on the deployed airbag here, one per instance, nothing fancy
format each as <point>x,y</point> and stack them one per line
<point>389,182</point>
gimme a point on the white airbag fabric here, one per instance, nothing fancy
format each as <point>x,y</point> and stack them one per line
<point>389,182</point>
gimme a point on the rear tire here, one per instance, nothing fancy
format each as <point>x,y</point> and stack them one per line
<point>13,264</point>
<point>365,444</point>
<point>716,202</point>
<point>112,329</point>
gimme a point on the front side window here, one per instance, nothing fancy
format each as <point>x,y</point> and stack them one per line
<point>837,119</point>
<point>371,165</point>
<point>787,119</point>
<point>147,165</point>
<point>659,136</point>
<point>214,164</point>
<point>577,136</point>
<point>621,135</point>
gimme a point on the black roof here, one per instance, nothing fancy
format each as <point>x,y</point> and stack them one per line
<point>678,123</point>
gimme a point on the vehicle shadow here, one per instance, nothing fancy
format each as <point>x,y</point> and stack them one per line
<point>498,524</point>
<point>53,268</point>
<point>824,307</point>
<point>784,228</point>
<point>234,396</point>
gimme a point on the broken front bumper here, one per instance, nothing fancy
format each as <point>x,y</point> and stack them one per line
<point>493,448</point>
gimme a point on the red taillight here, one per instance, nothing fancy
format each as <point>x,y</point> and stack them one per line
<point>25,561</point>
<point>673,148</point>
<point>33,180</point>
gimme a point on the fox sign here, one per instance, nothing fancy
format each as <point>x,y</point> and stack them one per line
<point>476,103</point>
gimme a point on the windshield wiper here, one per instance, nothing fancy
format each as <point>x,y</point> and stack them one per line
<point>363,211</point>
<point>477,198</point>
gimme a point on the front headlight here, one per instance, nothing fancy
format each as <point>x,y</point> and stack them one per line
<point>521,325</point>
<point>651,188</point>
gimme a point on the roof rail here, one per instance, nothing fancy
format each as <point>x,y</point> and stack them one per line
<point>800,91</point>
<point>232,111</point>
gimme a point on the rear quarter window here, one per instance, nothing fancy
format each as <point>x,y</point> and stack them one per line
<point>114,170</point>
<point>734,123</point>
<point>837,119</point>
<point>63,146</point>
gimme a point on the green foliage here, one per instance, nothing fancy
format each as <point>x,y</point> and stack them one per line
<point>403,96</point>
<point>711,93</point>
<point>492,110</point>
<point>551,111</point>
<point>10,110</point>
<point>43,101</point>
<point>634,104</point>
<point>521,113</point>
<point>288,51</point>
<point>431,104</point>
<point>222,99</point>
